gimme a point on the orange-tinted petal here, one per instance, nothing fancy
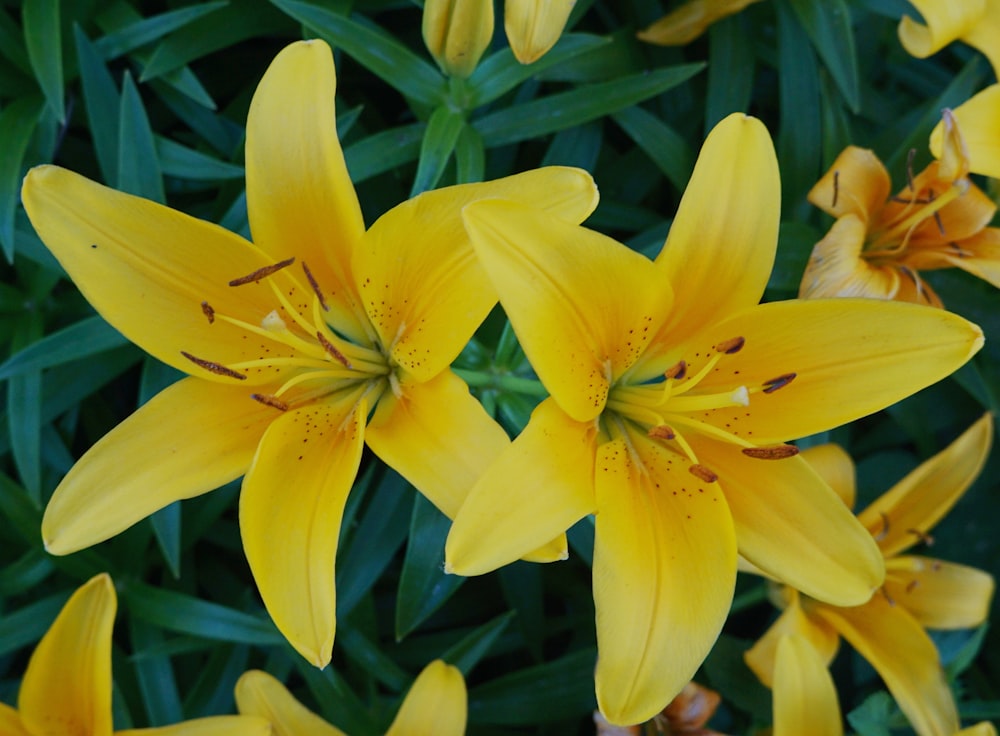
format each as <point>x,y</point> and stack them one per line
<point>978,120</point>
<point>260,694</point>
<point>683,25</point>
<point>835,467</point>
<point>856,184</point>
<point>10,722</point>
<point>979,255</point>
<point>940,595</point>
<point>436,705</point>
<point>793,621</point>
<point>189,439</point>
<point>836,268</point>
<point>805,700</point>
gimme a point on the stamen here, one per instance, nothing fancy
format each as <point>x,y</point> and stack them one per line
<point>261,273</point>
<point>732,345</point>
<point>207,310</point>
<point>888,597</point>
<point>332,350</point>
<point>836,187</point>
<point>940,223</point>
<point>678,371</point>
<point>315,287</point>
<point>773,384</point>
<point>700,471</point>
<point>216,368</point>
<point>884,531</point>
<point>774,452</point>
<point>909,169</point>
<point>661,432</point>
<point>272,401</point>
<point>922,536</point>
<point>911,585</point>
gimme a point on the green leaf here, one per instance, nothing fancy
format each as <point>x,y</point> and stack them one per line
<point>25,573</point>
<point>27,625</point>
<point>370,658</point>
<point>579,146</point>
<point>874,716</point>
<point>470,157</point>
<point>43,39</point>
<point>522,588</point>
<point>152,29</point>
<point>338,703</point>
<point>186,163</point>
<point>374,49</point>
<point>467,653</point>
<point>828,25</point>
<point>383,151</point>
<point>566,109</point>
<point>423,584</point>
<point>155,676</point>
<point>730,69</point>
<point>138,165</point>
<point>24,424</point>
<point>439,141</point>
<point>102,103</point>
<point>17,121</point>
<point>664,146</point>
<point>80,340</point>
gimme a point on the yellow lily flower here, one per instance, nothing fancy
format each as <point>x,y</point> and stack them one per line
<point>976,22</point>
<point>66,688</point>
<point>457,32</point>
<point>805,699</point>
<point>672,393</point>
<point>534,26</point>
<point>979,119</point>
<point>683,25</point>
<point>436,705</point>
<point>293,343</point>
<point>879,243</point>
<point>918,592</point>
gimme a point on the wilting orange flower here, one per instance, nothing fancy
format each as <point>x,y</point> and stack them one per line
<point>690,20</point>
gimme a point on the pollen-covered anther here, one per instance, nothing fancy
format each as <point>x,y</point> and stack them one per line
<point>262,273</point>
<point>703,473</point>
<point>216,368</point>
<point>773,384</point>
<point>911,585</point>
<point>661,432</point>
<point>315,287</point>
<point>732,345</point>
<point>836,187</point>
<point>678,371</point>
<point>332,351</point>
<point>273,401</point>
<point>209,313</point>
<point>922,536</point>
<point>773,452</point>
<point>885,527</point>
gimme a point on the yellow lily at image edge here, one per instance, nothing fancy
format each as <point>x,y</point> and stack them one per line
<point>67,686</point>
<point>673,393</point>
<point>919,592</point>
<point>292,343</point>
<point>436,705</point>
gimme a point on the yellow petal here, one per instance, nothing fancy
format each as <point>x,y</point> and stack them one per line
<point>856,184</point>
<point>189,439</point>
<point>897,647</point>
<point>67,686</point>
<point>423,288</point>
<point>211,726</point>
<point>980,729</point>
<point>793,621</point>
<point>978,119</point>
<point>535,490</point>
<point>983,34</point>
<point>835,467</point>
<point>720,250</point>
<point>584,306</point>
<point>979,255</point>
<point>836,268</point>
<point>147,269</point>
<point>954,152</point>
<point>260,694</point>
<point>457,32</point>
<point>664,571</point>
<point>10,722</point>
<point>850,357</point>
<point>438,437</point>
<point>436,704</point>
<point>534,26</point>
<point>909,510</point>
<point>690,20</point>
<point>290,511</point>
<point>783,505</point>
<point>300,198</point>
<point>940,595</point>
<point>805,700</point>
<point>944,22</point>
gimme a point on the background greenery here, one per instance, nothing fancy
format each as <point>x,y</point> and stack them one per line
<point>151,98</point>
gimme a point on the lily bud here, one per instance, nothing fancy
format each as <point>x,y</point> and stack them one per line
<point>457,33</point>
<point>534,26</point>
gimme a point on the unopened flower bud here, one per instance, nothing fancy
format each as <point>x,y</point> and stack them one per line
<point>457,33</point>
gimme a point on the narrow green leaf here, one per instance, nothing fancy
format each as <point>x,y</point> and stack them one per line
<point>467,653</point>
<point>155,676</point>
<point>25,573</point>
<point>43,40</point>
<point>102,103</point>
<point>828,25</point>
<point>566,109</point>
<point>152,29</point>
<point>221,133</point>
<point>730,69</point>
<point>439,141</point>
<point>12,45</point>
<point>374,49</point>
<point>17,121</point>
<point>27,625</point>
<point>186,163</point>
<point>80,340</point>
<point>370,658</point>
<point>138,164</point>
<point>578,146</point>
<point>521,583</point>
<point>665,147</point>
<point>383,151</point>
<point>874,716</point>
<point>339,704</point>
<point>423,584</point>
<point>24,425</point>
<point>470,156</point>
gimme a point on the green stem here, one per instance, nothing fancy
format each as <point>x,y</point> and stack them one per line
<point>748,598</point>
<point>505,383</point>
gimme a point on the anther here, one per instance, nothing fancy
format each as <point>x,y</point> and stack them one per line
<point>315,287</point>
<point>911,585</point>
<point>700,471</point>
<point>272,401</point>
<point>940,222</point>
<point>884,531</point>
<point>774,452</point>
<point>661,432</point>
<point>909,169</point>
<point>207,310</point>
<point>773,384</point>
<point>888,597</point>
<point>677,371</point>
<point>922,536</point>
<point>732,345</point>
<point>836,187</point>
<point>330,348</point>
<point>261,273</point>
<point>216,368</point>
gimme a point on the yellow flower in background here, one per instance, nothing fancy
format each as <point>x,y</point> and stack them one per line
<point>293,344</point>
<point>976,22</point>
<point>979,120</point>
<point>457,32</point>
<point>67,686</point>
<point>534,26</point>
<point>436,705</point>
<point>919,592</point>
<point>689,21</point>
<point>673,392</point>
<point>880,243</point>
